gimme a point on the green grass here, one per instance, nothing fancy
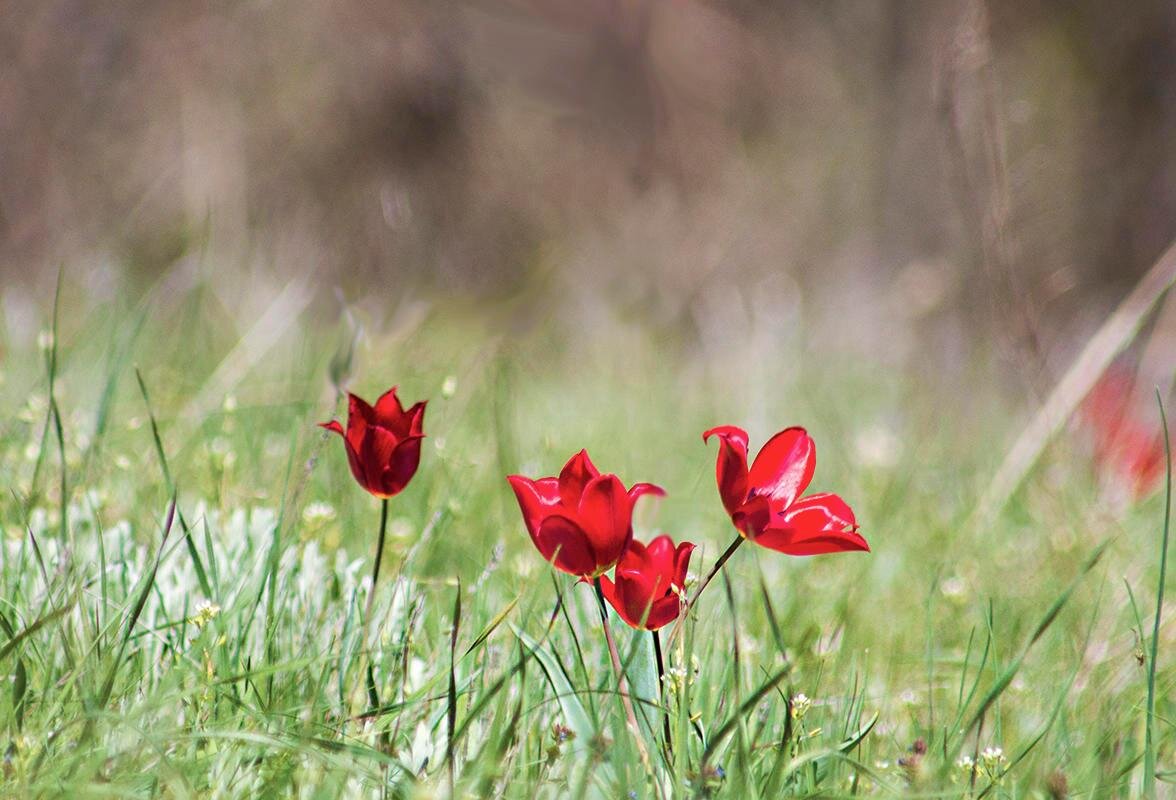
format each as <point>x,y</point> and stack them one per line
<point>122,680</point>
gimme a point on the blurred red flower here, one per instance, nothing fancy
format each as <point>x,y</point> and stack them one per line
<point>581,521</point>
<point>649,583</point>
<point>383,442</point>
<point>765,504</point>
<point>1124,445</point>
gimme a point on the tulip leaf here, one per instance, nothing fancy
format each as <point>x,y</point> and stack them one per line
<point>574,712</point>
<point>641,669</point>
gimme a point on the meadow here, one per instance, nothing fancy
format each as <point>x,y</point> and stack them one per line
<point>187,558</point>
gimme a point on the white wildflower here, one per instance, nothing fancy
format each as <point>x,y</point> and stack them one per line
<point>801,703</point>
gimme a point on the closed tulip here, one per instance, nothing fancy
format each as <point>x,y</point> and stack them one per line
<point>383,442</point>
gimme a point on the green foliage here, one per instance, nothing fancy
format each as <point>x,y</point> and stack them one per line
<point>230,659</point>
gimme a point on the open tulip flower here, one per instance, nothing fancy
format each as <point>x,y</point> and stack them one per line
<point>383,442</point>
<point>649,583</point>
<point>581,521</point>
<point>765,503</point>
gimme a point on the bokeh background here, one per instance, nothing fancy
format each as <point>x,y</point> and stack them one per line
<point>611,225</point>
<point>919,183</point>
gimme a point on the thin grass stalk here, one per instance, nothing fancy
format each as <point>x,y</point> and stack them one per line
<point>1149,750</point>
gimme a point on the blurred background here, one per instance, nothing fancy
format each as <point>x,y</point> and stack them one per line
<point>920,184</point>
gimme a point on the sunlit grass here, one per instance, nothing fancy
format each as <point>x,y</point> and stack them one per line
<point>952,661</point>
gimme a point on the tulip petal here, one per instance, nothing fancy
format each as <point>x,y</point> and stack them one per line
<point>642,489</point>
<point>819,511</point>
<point>682,563</point>
<point>753,516</point>
<point>358,470</point>
<point>659,554</point>
<point>574,477</point>
<point>333,425</point>
<point>387,405</point>
<point>606,514</point>
<point>731,465</point>
<point>358,408</point>
<point>416,419</point>
<point>821,523</point>
<point>375,453</point>
<point>616,597</point>
<point>636,571</point>
<point>406,457</point>
<point>784,467</point>
<point>536,499</point>
<point>664,611</point>
<point>566,546</point>
<point>359,416</point>
<point>640,595</point>
<point>791,542</point>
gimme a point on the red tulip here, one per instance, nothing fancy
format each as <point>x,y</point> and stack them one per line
<point>1123,444</point>
<point>581,521</point>
<point>649,580</point>
<point>765,503</point>
<point>383,442</point>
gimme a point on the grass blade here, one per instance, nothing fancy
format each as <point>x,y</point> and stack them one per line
<point>1047,620</point>
<point>451,710</point>
<point>569,702</point>
<point>744,709</point>
<point>1149,760</point>
<point>197,562</point>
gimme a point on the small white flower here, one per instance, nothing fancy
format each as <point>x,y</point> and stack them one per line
<point>954,587</point>
<point>800,705</point>
<point>401,528</point>
<point>318,513</point>
<point>992,757</point>
<point>449,387</point>
<point>206,612</point>
<point>45,340</point>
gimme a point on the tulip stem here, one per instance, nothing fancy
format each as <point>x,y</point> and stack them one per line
<point>622,684</point>
<point>689,604</point>
<point>661,691</point>
<point>379,556</point>
<point>373,695</point>
<point>731,548</point>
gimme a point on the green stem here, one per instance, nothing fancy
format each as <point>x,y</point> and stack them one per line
<point>661,689</point>
<point>373,695</point>
<point>686,606</point>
